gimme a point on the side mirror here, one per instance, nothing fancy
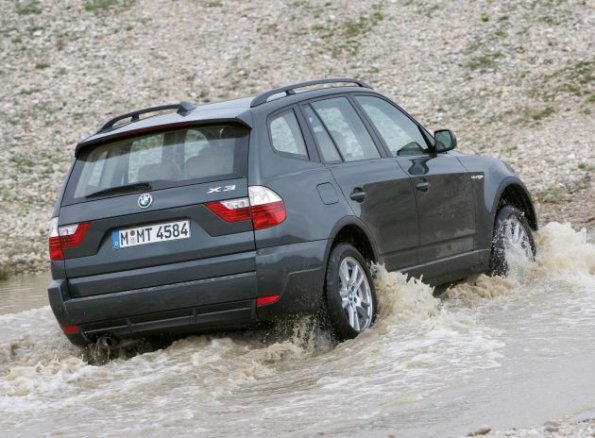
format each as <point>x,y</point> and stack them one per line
<point>445,140</point>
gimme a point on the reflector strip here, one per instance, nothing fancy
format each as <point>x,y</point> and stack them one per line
<point>263,301</point>
<point>71,329</point>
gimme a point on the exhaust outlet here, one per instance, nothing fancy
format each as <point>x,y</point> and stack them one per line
<point>107,342</point>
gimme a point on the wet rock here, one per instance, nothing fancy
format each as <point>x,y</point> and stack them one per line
<point>551,426</point>
<point>481,430</point>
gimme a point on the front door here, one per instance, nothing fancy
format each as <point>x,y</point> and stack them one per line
<point>445,205</point>
<point>443,189</point>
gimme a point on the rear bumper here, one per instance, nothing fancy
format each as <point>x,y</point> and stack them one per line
<point>295,272</point>
<point>221,302</point>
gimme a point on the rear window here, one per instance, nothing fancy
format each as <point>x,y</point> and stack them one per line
<point>163,160</point>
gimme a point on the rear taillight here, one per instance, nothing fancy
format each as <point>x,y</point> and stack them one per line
<point>232,210</point>
<point>263,206</point>
<point>267,207</point>
<point>68,236</point>
<point>55,246</point>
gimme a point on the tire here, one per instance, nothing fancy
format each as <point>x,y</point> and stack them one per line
<point>510,228</point>
<point>350,310</point>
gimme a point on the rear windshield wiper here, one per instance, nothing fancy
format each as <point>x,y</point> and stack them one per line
<point>117,189</point>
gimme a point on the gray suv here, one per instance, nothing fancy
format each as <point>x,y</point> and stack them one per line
<point>186,219</point>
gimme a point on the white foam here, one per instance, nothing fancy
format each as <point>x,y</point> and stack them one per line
<point>420,345</point>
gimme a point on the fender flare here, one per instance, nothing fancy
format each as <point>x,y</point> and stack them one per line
<point>342,223</point>
<point>527,201</point>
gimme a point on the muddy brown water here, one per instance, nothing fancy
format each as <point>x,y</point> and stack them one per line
<point>508,353</point>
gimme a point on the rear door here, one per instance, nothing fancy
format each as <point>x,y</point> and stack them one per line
<point>443,190</point>
<point>151,201</point>
<point>378,191</point>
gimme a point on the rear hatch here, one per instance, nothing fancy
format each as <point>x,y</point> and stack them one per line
<point>144,201</point>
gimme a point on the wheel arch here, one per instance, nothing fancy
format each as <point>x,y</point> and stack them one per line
<point>515,193</point>
<point>352,230</point>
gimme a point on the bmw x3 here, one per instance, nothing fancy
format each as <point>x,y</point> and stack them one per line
<point>183,218</point>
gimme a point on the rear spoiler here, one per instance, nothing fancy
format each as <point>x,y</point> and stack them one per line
<point>104,137</point>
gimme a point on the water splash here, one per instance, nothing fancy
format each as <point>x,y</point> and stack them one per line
<point>402,299</point>
<point>563,255</point>
<point>564,252</point>
<point>419,346</point>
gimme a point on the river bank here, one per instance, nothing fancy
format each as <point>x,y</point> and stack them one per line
<point>513,79</point>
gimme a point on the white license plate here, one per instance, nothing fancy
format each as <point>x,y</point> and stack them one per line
<point>150,234</point>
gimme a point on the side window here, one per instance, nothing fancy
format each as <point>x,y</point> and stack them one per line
<point>346,129</point>
<point>286,135</point>
<point>327,147</point>
<point>399,132</point>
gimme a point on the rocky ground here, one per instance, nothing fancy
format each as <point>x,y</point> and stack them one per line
<point>512,78</point>
<point>550,429</point>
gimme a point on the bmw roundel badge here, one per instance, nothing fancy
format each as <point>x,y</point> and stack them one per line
<point>145,200</point>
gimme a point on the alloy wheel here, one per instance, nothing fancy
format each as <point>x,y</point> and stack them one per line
<point>356,296</point>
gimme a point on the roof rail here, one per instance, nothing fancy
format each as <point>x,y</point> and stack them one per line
<point>290,89</point>
<point>183,108</point>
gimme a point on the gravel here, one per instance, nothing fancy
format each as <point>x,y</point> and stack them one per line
<point>551,429</point>
<point>513,79</point>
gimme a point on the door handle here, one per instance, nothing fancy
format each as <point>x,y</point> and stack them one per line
<point>422,186</point>
<point>358,195</point>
